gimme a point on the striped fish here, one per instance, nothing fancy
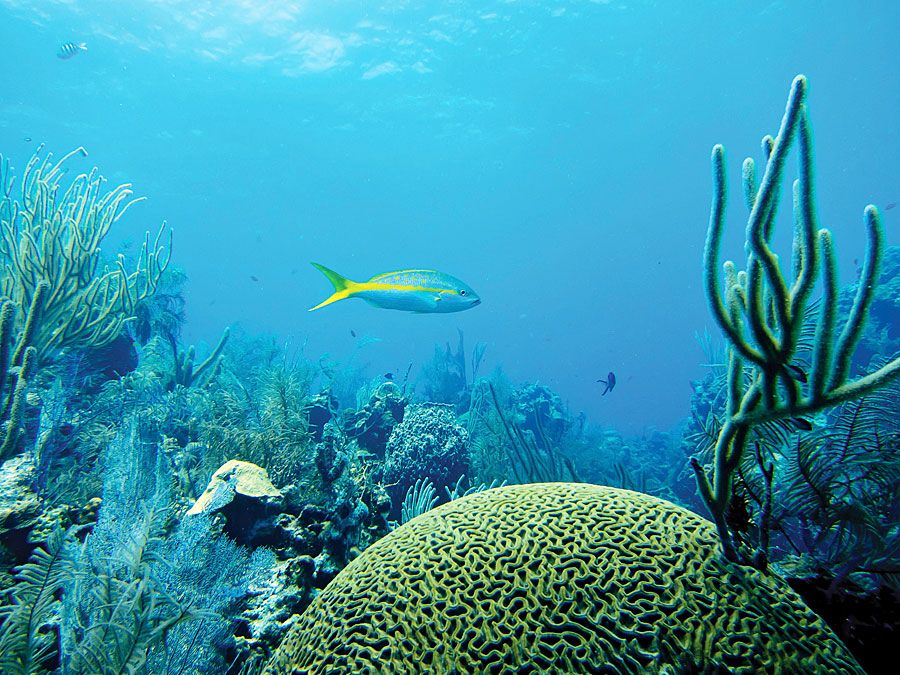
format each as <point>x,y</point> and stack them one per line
<point>69,49</point>
<point>422,291</point>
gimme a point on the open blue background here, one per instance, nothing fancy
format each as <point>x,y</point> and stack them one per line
<point>554,155</point>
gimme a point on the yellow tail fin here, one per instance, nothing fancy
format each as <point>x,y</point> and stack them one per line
<point>343,287</point>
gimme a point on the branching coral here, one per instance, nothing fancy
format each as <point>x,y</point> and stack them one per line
<point>51,236</point>
<point>762,311</point>
<point>187,374</point>
<point>17,364</point>
<point>14,402</point>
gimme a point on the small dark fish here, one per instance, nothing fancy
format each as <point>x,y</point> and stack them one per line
<point>389,376</point>
<point>254,278</point>
<point>803,424</point>
<point>28,139</point>
<point>609,383</point>
<point>796,372</point>
<point>352,333</point>
<point>69,49</point>
<point>892,205</point>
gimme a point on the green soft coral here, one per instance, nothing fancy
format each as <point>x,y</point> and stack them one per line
<point>761,311</point>
<point>51,232</point>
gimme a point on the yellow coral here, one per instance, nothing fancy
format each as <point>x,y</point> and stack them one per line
<point>557,577</point>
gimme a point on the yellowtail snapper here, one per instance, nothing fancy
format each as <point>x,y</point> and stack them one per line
<point>69,49</point>
<point>421,291</point>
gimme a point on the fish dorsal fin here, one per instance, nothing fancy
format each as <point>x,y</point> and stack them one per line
<point>387,275</point>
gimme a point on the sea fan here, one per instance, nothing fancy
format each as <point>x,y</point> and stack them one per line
<point>840,485</point>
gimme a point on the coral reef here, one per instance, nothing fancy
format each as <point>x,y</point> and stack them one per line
<point>187,374</point>
<point>319,410</point>
<point>539,410</point>
<point>566,577</point>
<point>372,424</point>
<point>50,263</point>
<point>111,429</point>
<point>445,377</point>
<point>420,498</point>
<point>260,417</point>
<point>123,600</point>
<point>243,494</point>
<point>533,456</point>
<point>17,366</point>
<point>26,644</point>
<point>20,506</point>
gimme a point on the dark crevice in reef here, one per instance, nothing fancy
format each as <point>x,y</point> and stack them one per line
<point>868,623</point>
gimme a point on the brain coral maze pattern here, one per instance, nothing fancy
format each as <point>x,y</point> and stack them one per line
<point>557,577</point>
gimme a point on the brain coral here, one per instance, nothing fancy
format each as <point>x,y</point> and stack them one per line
<point>557,577</point>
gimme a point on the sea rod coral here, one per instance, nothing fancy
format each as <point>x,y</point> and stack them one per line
<point>50,236</point>
<point>762,312</point>
<point>54,293</point>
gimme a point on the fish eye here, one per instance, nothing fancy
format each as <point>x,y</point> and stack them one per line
<point>462,291</point>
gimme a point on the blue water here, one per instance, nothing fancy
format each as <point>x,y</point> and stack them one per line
<point>553,155</point>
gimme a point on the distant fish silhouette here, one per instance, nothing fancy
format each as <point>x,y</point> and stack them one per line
<point>609,383</point>
<point>254,277</point>
<point>389,376</point>
<point>803,424</point>
<point>796,372</point>
<point>69,49</point>
<point>352,333</point>
<point>892,205</point>
<point>28,139</point>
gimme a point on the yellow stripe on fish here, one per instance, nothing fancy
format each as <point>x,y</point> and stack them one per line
<point>422,291</point>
